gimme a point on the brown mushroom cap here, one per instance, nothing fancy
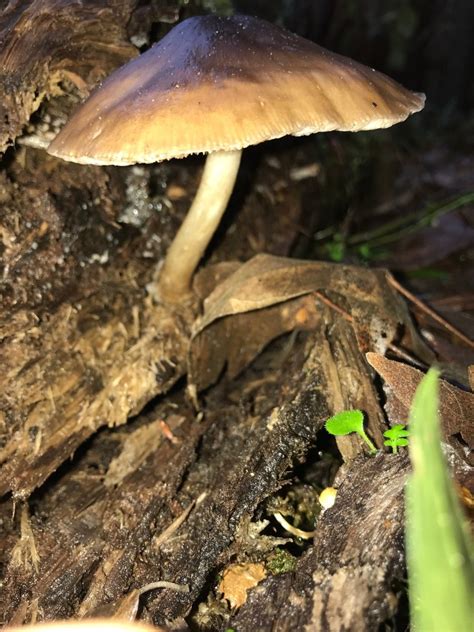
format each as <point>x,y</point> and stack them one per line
<point>223,83</point>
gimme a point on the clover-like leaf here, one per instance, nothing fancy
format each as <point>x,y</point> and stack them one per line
<point>396,437</point>
<point>396,432</point>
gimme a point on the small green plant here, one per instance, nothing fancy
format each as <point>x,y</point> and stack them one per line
<point>336,248</point>
<point>396,437</point>
<point>349,421</point>
<point>378,243</point>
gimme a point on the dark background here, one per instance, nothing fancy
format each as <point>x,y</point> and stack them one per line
<point>428,44</point>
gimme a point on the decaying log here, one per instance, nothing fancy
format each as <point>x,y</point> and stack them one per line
<point>344,581</point>
<point>80,379</point>
<point>81,345</point>
<point>254,430</point>
<point>40,48</point>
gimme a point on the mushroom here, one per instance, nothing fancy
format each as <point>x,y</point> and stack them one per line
<point>216,85</point>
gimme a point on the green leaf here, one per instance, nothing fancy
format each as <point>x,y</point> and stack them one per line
<point>439,548</point>
<point>396,432</point>
<point>401,442</point>
<point>395,444</point>
<point>336,251</point>
<point>396,437</point>
<point>349,421</point>
<point>365,251</point>
<point>345,422</point>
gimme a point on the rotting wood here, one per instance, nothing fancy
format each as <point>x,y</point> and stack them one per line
<point>79,381</point>
<point>270,295</point>
<point>81,346</point>
<point>241,460</point>
<point>40,48</point>
<point>345,580</point>
<point>94,533</point>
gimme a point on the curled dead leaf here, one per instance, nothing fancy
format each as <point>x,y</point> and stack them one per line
<point>268,296</point>
<point>456,406</point>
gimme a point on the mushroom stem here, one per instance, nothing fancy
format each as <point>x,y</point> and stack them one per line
<point>197,229</point>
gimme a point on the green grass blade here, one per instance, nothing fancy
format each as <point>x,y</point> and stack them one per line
<point>439,547</point>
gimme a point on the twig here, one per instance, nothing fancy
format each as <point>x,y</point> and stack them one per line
<point>174,526</point>
<point>183,588</point>
<point>428,310</point>
<point>393,347</point>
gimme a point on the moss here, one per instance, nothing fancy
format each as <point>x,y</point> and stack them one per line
<point>280,562</point>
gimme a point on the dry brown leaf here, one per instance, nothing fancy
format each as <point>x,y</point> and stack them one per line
<point>456,407</point>
<point>268,296</point>
<point>236,340</point>
<point>238,579</point>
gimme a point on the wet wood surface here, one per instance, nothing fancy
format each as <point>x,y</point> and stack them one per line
<point>98,533</point>
<point>341,581</point>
